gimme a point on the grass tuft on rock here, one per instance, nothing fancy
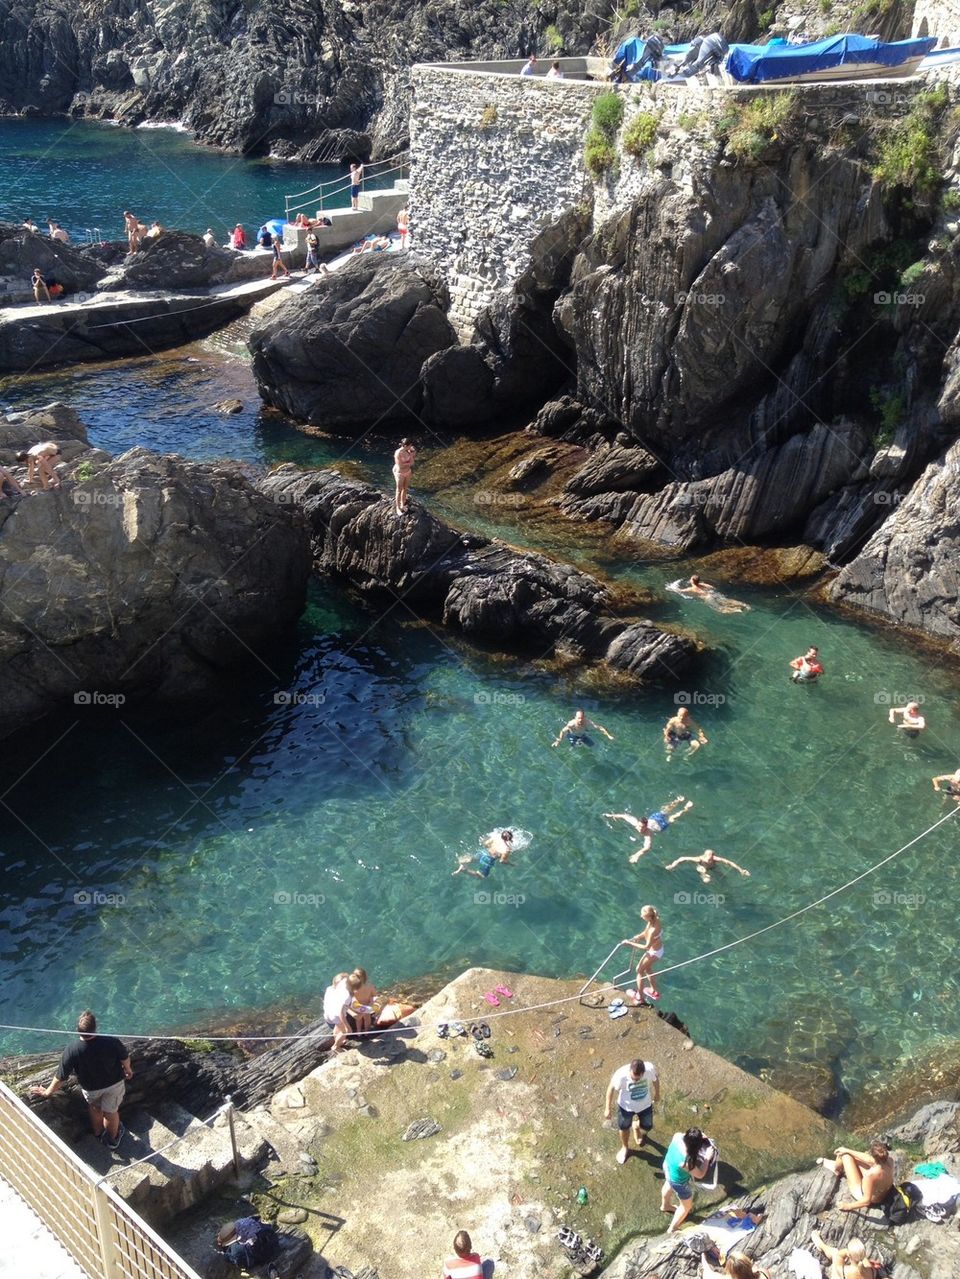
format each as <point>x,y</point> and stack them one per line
<point>599,153</point>
<point>640,134</point>
<point>750,127</point>
<point>909,155</point>
<point>607,113</point>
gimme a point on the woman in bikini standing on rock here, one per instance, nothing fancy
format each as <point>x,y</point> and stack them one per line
<point>650,942</point>
<point>403,460</point>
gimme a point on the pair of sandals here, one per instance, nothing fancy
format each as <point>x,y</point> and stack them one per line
<point>450,1029</point>
<point>579,1249</point>
<point>481,1033</point>
<point>491,995</point>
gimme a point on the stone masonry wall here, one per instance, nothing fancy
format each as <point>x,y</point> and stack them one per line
<point>494,159</point>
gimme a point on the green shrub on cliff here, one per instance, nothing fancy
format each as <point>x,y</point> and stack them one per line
<point>751,127</point>
<point>607,113</point>
<point>640,134</point>
<point>909,152</point>
<point>599,153</point>
<point>553,38</point>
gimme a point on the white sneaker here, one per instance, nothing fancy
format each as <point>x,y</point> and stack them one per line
<point>622,1155</point>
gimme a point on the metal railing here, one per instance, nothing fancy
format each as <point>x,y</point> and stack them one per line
<point>399,163</point>
<point>103,1234</point>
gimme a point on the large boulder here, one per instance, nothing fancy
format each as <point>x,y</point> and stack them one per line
<point>909,570</point>
<point>350,353</point>
<point>519,602</point>
<point>143,575</point>
<point>171,261</point>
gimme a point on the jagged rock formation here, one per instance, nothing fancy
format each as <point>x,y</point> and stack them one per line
<point>349,353</point>
<point>523,603</point>
<point>909,570</point>
<point>282,78</point>
<point>21,251</point>
<point>136,577</point>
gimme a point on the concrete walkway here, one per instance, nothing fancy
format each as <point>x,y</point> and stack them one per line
<point>30,1249</point>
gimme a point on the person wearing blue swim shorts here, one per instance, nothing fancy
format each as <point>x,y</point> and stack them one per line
<point>655,824</point>
<point>495,848</point>
<point>575,731</point>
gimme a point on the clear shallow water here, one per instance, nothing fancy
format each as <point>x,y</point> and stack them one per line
<point>177,875</point>
<point>85,174</point>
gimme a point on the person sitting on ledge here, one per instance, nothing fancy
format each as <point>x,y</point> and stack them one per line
<point>57,232</point>
<point>30,225</point>
<point>869,1174</point>
<point>555,72</point>
<point>238,239</point>
<point>248,1242</point>
<point>155,230</point>
<point>530,66</point>
<point>209,239</point>
<point>303,222</point>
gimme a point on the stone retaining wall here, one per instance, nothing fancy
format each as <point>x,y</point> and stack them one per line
<point>497,158</point>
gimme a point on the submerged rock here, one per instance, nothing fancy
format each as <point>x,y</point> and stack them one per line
<point>137,578</point>
<point>515,601</point>
<point>351,352</point>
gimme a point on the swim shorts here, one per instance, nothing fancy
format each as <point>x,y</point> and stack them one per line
<point>354,192</point>
<point>659,821</point>
<point>485,862</point>
<point>673,737</point>
<point>579,739</point>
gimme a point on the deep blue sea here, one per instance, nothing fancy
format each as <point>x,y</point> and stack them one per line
<point>169,875</point>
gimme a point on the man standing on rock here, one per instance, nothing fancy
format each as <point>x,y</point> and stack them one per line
<point>637,1089</point>
<point>356,177</point>
<point>101,1064</point>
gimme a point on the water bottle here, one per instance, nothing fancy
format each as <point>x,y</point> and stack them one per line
<point>582,1196</point>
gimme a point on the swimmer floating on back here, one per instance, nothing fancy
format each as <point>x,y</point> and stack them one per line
<point>575,730</point>
<point>912,722</point>
<point>495,848</point>
<point>681,728</point>
<point>655,824</point>
<point>806,669</point>
<point>705,863</point>
<point>697,588</point>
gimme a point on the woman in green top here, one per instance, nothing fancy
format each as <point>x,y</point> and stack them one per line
<point>684,1161</point>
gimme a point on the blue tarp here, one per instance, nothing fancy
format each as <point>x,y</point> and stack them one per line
<point>757,64</point>
<point>630,53</point>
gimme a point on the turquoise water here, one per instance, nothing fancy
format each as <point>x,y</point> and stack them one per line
<point>313,822</point>
<point>84,175</point>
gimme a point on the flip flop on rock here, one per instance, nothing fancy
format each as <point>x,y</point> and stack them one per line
<point>502,990</point>
<point>491,999</point>
<point>618,1012</point>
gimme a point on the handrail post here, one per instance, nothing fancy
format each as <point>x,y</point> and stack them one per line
<point>108,1252</point>
<point>233,1135</point>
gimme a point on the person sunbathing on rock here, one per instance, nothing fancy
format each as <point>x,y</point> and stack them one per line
<point>869,1174</point>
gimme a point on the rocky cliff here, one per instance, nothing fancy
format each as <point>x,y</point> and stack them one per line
<point>140,577</point>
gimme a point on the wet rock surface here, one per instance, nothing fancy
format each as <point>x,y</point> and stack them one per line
<point>488,592</point>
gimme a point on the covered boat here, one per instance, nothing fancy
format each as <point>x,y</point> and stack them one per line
<point>846,57</point>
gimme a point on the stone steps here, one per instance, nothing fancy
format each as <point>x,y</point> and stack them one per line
<point>196,1158</point>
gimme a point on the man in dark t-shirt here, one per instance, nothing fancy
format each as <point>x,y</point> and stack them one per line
<point>101,1064</point>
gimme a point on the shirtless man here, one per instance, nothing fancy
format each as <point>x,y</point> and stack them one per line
<point>869,1174</point>
<point>356,177</point>
<point>495,848</point>
<point>40,463</point>
<point>681,728</point>
<point>696,586</point>
<point>655,824</point>
<point>41,293</point>
<point>952,787</point>
<point>705,863</point>
<point>403,226</point>
<point>130,224</point>
<point>911,721</point>
<point>575,731</point>
<point>57,233</point>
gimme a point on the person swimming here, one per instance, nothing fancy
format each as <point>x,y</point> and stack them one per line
<point>912,723</point>
<point>807,668</point>
<point>680,728</point>
<point>706,862</point>
<point>655,824</point>
<point>495,848</point>
<point>951,785</point>
<point>697,588</point>
<point>575,731</point>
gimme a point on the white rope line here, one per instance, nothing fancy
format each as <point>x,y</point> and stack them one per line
<point>550,1003</point>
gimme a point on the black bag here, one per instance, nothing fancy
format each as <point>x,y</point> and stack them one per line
<point>900,1203</point>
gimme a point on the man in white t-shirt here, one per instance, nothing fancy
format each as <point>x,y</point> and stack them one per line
<point>637,1089</point>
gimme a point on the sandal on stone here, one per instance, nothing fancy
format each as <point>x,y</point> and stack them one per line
<point>483,1048</point>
